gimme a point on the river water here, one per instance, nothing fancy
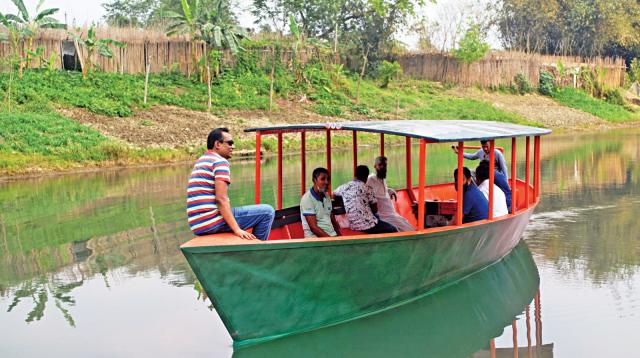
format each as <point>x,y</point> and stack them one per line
<point>90,265</point>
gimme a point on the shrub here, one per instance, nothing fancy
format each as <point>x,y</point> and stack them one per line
<point>386,71</point>
<point>327,110</point>
<point>547,83</point>
<point>634,71</point>
<point>522,84</point>
<point>472,46</point>
<point>614,96</point>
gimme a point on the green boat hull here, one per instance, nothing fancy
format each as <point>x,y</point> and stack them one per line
<point>453,322</point>
<point>262,292</point>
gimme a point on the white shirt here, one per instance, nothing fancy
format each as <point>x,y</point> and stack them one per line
<point>499,200</point>
<point>386,209</point>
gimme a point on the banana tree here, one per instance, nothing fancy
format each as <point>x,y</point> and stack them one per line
<point>187,23</point>
<point>92,44</point>
<point>215,27</point>
<point>26,27</point>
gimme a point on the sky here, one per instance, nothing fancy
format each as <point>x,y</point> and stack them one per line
<point>83,12</point>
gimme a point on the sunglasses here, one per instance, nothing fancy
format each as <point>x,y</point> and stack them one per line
<point>230,142</point>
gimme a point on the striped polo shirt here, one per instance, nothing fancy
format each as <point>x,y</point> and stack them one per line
<point>202,209</point>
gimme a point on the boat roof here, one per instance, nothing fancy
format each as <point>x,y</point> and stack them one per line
<point>432,130</point>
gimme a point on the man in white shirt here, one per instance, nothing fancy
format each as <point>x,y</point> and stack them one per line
<point>499,199</point>
<point>385,196</point>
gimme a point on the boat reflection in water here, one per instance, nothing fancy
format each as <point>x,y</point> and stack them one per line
<point>460,320</point>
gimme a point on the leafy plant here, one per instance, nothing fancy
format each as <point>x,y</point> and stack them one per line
<point>614,96</point>
<point>522,84</point>
<point>387,71</point>
<point>472,46</point>
<point>634,70</point>
<point>24,27</point>
<point>92,44</point>
<point>547,83</point>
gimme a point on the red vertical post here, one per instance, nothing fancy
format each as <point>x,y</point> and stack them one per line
<point>536,166</point>
<point>355,151</point>
<point>303,162</point>
<point>514,188</point>
<point>515,338</point>
<point>407,144</point>
<point>459,212</point>
<point>528,321</point>
<point>492,347</point>
<point>279,194</point>
<point>329,157</point>
<point>421,182</point>
<point>492,159</point>
<point>382,144</point>
<point>257,176</point>
<point>537,312</point>
<point>527,172</point>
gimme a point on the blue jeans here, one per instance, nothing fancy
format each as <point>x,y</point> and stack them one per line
<point>259,217</point>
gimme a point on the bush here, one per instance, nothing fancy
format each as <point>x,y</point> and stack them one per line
<point>614,96</point>
<point>547,83</point>
<point>522,84</point>
<point>386,71</point>
<point>327,110</point>
<point>472,46</point>
<point>634,71</point>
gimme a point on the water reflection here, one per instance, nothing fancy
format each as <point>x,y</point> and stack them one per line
<point>72,242</point>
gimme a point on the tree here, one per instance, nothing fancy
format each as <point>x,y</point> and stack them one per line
<point>93,44</point>
<point>129,13</point>
<point>568,27</point>
<point>215,26</point>
<point>23,28</point>
<point>472,46</point>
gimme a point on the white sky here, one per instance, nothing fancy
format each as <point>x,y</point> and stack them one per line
<point>87,11</point>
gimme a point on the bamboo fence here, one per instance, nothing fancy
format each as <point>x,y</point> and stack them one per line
<point>500,68</point>
<point>162,53</point>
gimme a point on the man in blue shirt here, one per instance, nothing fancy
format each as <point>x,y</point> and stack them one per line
<point>474,205</point>
<point>483,154</point>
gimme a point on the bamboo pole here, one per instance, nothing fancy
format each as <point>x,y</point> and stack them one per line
<point>146,81</point>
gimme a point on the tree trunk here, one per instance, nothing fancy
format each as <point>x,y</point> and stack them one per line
<point>364,66</point>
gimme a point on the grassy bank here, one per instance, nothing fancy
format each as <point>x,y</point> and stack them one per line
<point>578,99</point>
<point>34,136</point>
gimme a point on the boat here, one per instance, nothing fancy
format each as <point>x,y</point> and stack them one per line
<point>289,284</point>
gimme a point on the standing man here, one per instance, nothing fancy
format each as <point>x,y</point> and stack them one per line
<point>209,210</point>
<point>316,209</point>
<point>361,205</point>
<point>484,154</point>
<point>384,196</point>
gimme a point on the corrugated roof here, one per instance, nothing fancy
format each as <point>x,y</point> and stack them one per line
<point>432,130</point>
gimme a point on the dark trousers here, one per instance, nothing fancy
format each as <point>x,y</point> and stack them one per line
<point>381,227</point>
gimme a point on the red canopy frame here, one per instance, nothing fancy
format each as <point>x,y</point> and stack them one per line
<point>529,200</point>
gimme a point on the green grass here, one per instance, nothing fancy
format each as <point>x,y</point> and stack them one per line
<point>578,99</point>
<point>49,140</point>
<point>464,108</point>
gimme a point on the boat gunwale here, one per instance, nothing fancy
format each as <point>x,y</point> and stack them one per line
<point>233,243</point>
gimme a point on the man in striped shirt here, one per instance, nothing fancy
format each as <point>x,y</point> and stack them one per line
<point>209,210</point>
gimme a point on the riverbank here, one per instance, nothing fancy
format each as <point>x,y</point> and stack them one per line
<point>57,122</point>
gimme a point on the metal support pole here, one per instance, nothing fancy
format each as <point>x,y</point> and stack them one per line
<point>536,166</point>
<point>257,176</point>
<point>459,212</point>
<point>303,162</point>
<point>515,338</point>
<point>421,182</point>
<point>527,173</point>
<point>279,194</point>
<point>329,157</point>
<point>514,187</point>
<point>382,144</point>
<point>407,149</point>
<point>492,159</point>
<point>355,151</point>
